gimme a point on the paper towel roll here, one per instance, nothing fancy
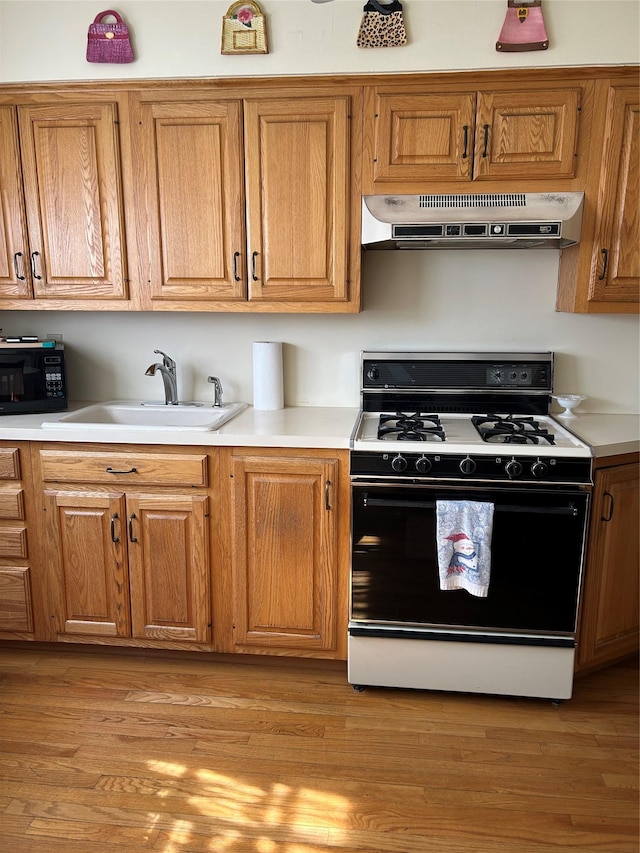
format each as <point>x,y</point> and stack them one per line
<point>268,385</point>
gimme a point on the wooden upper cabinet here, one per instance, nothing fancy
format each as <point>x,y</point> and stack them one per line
<point>246,203</point>
<point>15,278</point>
<point>65,239</point>
<point>297,160</point>
<point>413,139</point>
<point>602,274</point>
<point>526,135</point>
<point>615,271</point>
<point>192,188</point>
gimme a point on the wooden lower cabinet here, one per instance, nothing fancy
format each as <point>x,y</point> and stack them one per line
<point>126,563</point>
<point>287,551</point>
<point>17,617</point>
<point>610,618</point>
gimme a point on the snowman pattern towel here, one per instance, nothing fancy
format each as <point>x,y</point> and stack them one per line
<point>464,531</point>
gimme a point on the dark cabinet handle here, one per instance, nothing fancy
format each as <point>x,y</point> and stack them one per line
<point>114,518</point>
<point>253,266</point>
<point>609,516</point>
<point>327,495</point>
<point>34,255</point>
<point>111,470</point>
<point>236,255</point>
<point>486,140</point>
<point>132,538</point>
<point>15,266</point>
<point>605,262</point>
<point>465,140</point>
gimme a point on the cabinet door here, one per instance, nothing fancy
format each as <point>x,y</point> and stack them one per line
<point>71,170</point>
<point>190,182</point>
<point>526,135</point>
<point>284,553</point>
<point>15,278</point>
<point>610,617</point>
<point>298,179</point>
<point>423,138</point>
<point>615,273</point>
<point>86,542</point>
<point>169,564</point>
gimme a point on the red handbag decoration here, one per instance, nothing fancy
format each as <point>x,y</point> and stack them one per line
<point>108,42</point>
<point>523,27</point>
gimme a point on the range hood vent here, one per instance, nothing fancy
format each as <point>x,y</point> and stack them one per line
<point>472,221</point>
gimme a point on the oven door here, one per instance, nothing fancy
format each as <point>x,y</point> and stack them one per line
<point>536,561</point>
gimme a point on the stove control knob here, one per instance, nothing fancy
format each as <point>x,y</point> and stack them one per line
<point>399,463</point>
<point>513,468</point>
<point>373,373</point>
<point>467,466</point>
<point>539,469</point>
<point>423,465</point>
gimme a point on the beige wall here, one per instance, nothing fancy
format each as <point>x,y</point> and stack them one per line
<point>429,300</point>
<point>46,39</point>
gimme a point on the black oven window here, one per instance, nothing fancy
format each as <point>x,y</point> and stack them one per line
<point>535,561</point>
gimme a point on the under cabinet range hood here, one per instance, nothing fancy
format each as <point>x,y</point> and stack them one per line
<point>472,221</point>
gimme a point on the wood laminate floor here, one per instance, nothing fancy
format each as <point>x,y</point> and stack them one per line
<point>121,753</point>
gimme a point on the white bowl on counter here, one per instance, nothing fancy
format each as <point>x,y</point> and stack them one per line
<point>569,402</point>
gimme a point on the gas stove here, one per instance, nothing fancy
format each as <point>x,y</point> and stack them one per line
<point>463,415</point>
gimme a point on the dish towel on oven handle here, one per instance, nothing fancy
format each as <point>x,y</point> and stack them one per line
<point>463,532</point>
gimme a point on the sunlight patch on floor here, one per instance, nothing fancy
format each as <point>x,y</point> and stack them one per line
<point>249,814</point>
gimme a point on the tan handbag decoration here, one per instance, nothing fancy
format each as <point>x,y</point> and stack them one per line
<point>382,25</point>
<point>244,29</point>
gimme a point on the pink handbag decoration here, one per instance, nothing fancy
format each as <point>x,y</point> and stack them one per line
<point>523,27</point>
<point>108,42</point>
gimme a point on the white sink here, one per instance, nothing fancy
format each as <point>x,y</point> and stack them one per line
<point>122,415</point>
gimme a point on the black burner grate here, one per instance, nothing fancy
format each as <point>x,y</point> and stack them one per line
<point>511,430</point>
<point>410,427</point>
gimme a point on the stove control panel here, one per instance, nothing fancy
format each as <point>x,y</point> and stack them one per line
<point>454,466</point>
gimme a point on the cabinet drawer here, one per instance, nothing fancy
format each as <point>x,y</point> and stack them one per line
<point>9,463</point>
<point>152,469</point>
<point>15,599</point>
<point>13,541</point>
<point>11,504</point>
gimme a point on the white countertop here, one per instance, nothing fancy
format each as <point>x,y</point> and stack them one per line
<point>296,426</point>
<point>607,434</point>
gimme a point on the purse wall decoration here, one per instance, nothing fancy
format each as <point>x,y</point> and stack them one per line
<point>244,29</point>
<point>523,27</point>
<point>382,25</point>
<point>109,42</point>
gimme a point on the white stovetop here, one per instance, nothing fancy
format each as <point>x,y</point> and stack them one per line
<point>461,436</point>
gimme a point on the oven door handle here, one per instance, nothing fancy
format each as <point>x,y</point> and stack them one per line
<point>571,509</point>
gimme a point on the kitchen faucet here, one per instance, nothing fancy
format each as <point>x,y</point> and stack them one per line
<point>168,372</point>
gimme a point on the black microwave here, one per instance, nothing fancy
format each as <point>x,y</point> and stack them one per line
<point>32,379</point>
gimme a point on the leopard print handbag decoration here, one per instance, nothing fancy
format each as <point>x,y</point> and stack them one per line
<point>382,25</point>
